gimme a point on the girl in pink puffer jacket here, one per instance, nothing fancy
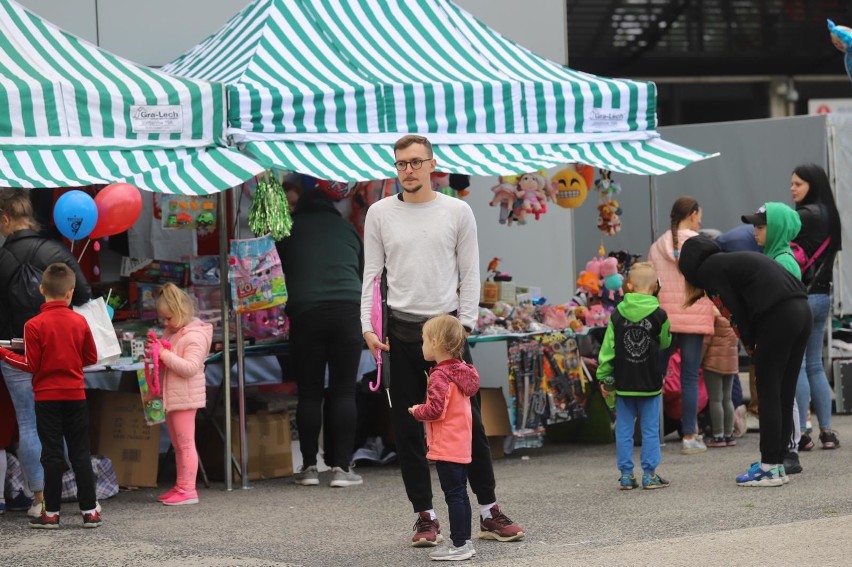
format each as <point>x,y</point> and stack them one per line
<point>188,339</point>
<point>689,325</point>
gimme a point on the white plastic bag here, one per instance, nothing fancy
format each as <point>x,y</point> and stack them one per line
<point>97,316</point>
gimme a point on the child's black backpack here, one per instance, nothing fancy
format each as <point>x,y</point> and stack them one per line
<point>25,298</point>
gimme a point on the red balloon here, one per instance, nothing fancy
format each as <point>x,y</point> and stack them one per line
<point>119,205</point>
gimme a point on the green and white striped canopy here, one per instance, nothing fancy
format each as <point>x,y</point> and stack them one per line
<point>330,83</point>
<point>72,114</point>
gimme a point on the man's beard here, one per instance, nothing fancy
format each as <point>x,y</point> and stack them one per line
<point>411,191</point>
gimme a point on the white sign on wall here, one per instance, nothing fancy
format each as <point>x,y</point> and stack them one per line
<point>830,106</point>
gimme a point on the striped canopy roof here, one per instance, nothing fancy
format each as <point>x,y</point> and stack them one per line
<point>72,114</point>
<point>332,83</point>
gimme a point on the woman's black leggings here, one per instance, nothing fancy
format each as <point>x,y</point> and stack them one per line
<point>781,337</point>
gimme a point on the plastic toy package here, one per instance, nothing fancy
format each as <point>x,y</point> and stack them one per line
<point>186,212</point>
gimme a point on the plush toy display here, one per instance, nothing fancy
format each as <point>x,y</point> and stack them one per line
<point>841,37</point>
<point>530,186</point>
<point>504,195</point>
<point>612,279</point>
<point>569,188</point>
<point>609,220</point>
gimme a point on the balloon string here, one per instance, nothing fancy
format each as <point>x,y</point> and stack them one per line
<point>80,259</point>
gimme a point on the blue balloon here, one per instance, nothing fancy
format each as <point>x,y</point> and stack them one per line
<point>110,312</point>
<point>75,215</point>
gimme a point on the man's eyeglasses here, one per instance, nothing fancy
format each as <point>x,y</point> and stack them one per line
<point>414,163</point>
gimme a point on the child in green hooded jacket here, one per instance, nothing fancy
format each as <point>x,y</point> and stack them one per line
<point>775,225</point>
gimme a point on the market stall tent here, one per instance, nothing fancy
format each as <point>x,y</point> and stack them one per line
<point>72,114</point>
<point>325,87</point>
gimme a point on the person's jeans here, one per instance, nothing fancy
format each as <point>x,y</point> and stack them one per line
<point>812,386</point>
<point>690,361</point>
<point>453,477</point>
<point>647,409</point>
<point>20,386</point>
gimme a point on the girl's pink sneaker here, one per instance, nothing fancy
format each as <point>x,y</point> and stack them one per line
<point>182,497</point>
<point>166,495</point>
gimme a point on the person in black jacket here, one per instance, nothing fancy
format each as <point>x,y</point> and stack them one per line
<point>768,308</point>
<point>820,240</point>
<point>24,245</point>
<point>323,259</point>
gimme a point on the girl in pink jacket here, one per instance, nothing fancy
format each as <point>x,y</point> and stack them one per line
<point>448,425</point>
<point>688,325</point>
<point>183,350</point>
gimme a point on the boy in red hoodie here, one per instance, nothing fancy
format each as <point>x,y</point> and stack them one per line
<point>57,345</point>
<point>448,426</point>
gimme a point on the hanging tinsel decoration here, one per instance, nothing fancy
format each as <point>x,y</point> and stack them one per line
<point>270,212</point>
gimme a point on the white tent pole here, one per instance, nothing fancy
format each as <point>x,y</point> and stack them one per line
<point>241,371</point>
<point>224,268</point>
<point>652,195</point>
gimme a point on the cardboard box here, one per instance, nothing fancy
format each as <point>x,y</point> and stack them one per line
<point>118,430</point>
<point>269,452</point>
<point>495,419</point>
<point>506,292</point>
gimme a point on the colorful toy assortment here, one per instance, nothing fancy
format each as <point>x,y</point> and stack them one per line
<point>149,381</point>
<point>546,385</point>
<point>186,212</point>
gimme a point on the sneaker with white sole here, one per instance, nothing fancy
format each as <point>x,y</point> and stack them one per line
<point>341,478</point>
<point>692,446</point>
<point>450,552</point>
<point>307,476</point>
<point>756,476</point>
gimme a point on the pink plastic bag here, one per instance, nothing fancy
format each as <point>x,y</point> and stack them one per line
<point>672,390</point>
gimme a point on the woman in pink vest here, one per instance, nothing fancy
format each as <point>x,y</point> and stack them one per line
<point>688,325</point>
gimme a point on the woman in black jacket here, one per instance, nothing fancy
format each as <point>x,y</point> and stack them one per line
<point>24,245</point>
<point>820,240</point>
<point>768,308</point>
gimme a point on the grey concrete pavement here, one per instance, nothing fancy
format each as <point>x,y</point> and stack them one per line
<point>565,496</point>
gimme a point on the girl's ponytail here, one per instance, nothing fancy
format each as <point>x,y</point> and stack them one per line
<point>681,209</point>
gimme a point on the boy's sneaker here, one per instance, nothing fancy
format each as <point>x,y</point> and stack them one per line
<point>92,520</point>
<point>427,532</point>
<point>342,478</point>
<point>756,476</point>
<point>2,507</point>
<point>828,439</point>
<point>792,464</point>
<point>182,498</point>
<point>307,476</point>
<point>450,552</point>
<point>730,440</point>
<point>45,522</point>
<point>628,482</point>
<point>692,446</point>
<point>19,503</point>
<point>805,443</point>
<point>35,510</point>
<point>717,441</point>
<point>499,527</point>
<point>652,481</point>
